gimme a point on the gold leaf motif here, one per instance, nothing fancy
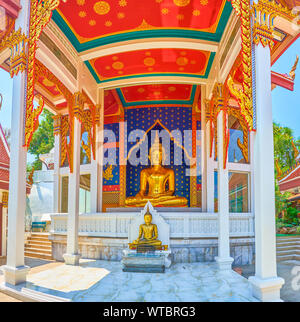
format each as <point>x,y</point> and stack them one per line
<point>107,174</point>
<point>181,3</point>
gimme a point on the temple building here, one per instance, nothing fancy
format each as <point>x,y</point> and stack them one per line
<point>167,101</point>
<point>4,187</point>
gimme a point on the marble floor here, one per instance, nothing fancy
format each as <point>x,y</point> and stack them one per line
<point>103,281</point>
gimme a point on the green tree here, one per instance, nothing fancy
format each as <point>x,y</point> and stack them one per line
<point>281,200</point>
<point>42,140</point>
<point>284,151</point>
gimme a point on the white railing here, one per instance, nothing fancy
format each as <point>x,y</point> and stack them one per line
<point>182,225</point>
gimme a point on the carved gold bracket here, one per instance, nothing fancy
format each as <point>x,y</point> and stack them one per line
<point>243,146</point>
<point>57,124</point>
<point>264,12</point>
<point>244,95</point>
<point>40,15</point>
<point>16,41</point>
<point>88,118</point>
<point>66,147</point>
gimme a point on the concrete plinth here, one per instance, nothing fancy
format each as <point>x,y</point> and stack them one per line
<point>224,264</point>
<point>143,262</point>
<point>71,259</point>
<point>15,275</point>
<point>266,290</point>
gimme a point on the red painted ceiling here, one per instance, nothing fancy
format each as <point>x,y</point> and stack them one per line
<point>110,103</point>
<point>187,61</point>
<point>90,19</point>
<point>157,92</point>
<point>49,86</point>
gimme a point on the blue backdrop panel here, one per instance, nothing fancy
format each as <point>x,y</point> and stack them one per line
<point>173,118</point>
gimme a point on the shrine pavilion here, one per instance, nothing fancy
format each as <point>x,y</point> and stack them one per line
<point>197,72</point>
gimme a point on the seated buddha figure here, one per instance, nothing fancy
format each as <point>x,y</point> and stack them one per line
<point>153,182</point>
<point>147,233</point>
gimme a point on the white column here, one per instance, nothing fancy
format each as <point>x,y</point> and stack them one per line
<point>209,173</point>
<point>97,164</point>
<point>266,284</point>
<point>224,260</point>
<point>15,271</point>
<point>72,257</point>
<point>56,183</point>
<point>252,189</point>
<point>203,163</point>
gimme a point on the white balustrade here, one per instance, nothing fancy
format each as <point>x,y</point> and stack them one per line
<point>182,225</point>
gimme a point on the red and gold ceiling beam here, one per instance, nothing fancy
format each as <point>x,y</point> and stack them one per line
<point>22,58</point>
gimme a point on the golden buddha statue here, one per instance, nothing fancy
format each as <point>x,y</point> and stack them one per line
<point>154,180</point>
<point>147,233</point>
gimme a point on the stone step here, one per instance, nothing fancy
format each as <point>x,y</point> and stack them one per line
<point>287,239</point>
<point>288,252</point>
<point>38,255</point>
<point>291,262</point>
<point>36,238</point>
<point>39,249</point>
<point>288,236</point>
<point>290,247</point>
<point>39,243</point>
<point>288,243</point>
<point>281,258</point>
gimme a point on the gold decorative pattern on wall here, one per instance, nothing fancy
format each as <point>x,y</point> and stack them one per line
<point>4,199</point>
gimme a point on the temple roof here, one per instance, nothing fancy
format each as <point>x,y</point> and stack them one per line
<point>4,161</point>
<point>127,43</point>
<point>291,179</point>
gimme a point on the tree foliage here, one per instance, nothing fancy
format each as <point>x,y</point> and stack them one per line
<point>43,139</point>
<point>284,151</point>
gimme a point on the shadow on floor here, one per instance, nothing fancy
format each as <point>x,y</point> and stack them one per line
<point>35,262</point>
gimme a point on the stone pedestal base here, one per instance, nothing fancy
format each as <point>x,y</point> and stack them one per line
<point>224,264</point>
<point>266,290</point>
<point>15,275</point>
<point>145,263</point>
<point>71,259</point>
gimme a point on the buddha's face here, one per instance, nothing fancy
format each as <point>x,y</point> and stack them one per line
<point>156,156</point>
<point>148,219</point>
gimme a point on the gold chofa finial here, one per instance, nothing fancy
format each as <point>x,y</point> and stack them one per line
<point>292,72</point>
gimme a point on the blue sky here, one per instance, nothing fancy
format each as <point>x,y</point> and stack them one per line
<point>286,104</point>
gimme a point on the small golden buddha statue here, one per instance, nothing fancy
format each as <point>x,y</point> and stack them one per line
<point>154,180</point>
<point>147,233</point>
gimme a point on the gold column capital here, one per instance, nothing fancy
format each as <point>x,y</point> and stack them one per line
<point>78,105</point>
<point>16,41</point>
<point>264,12</point>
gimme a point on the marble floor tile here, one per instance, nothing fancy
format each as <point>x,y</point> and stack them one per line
<point>103,281</point>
